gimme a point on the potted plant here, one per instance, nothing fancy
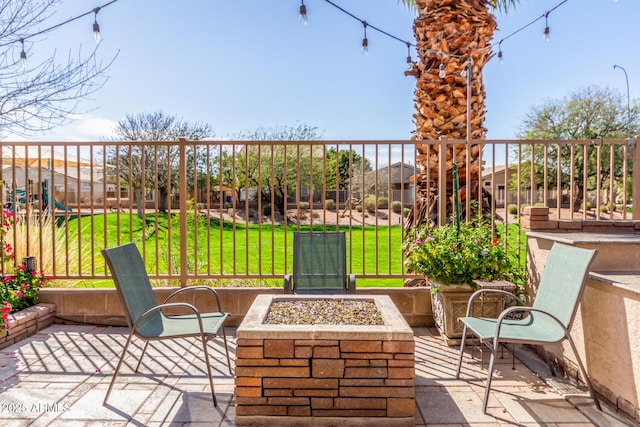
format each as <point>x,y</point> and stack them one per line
<point>456,260</point>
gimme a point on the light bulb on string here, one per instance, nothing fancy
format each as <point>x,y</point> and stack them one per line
<point>96,26</point>
<point>463,73</point>
<point>409,61</point>
<point>23,55</point>
<point>303,14</point>
<point>442,73</point>
<point>500,52</point>
<point>365,41</point>
<point>545,33</point>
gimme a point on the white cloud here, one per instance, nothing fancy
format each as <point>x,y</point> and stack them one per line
<point>82,128</point>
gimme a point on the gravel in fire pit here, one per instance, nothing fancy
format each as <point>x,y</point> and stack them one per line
<point>324,312</point>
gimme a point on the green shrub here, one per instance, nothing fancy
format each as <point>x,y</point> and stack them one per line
<point>303,206</point>
<point>512,209</point>
<point>588,205</point>
<point>329,204</point>
<point>383,203</point>
<point>396,206</point>
<point>455,255</point>
<point>370,203</point>
<point>405,212</point>
<point>604,208</point>
<point>266,210</point>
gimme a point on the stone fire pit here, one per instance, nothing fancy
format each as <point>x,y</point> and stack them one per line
<point>324,374</point>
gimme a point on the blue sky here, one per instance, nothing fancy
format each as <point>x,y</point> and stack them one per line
<point>240,65</point>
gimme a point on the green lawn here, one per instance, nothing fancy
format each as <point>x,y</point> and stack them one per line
<point>233,249</point>
<point>238,249</point>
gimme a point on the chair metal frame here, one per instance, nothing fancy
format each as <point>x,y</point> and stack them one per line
<point>203,330</point>
<point>491,332</point>
<point>333,243</point>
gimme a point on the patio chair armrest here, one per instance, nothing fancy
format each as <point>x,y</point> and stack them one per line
<point>528,309</point>
<point>351,288</point>
<point>491,291</point>
<point>169,305</point>
<point>195,288</point>
<point>287,284</point>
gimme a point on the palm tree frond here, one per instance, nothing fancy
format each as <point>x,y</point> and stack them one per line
<point>503,5</point>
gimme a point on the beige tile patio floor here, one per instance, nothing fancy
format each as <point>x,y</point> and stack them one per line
<point>59,376</point>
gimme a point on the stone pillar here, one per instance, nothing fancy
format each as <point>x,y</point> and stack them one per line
<point>536,218</point>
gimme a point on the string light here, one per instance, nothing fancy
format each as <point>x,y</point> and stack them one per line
<point>96,30</point>
<point>96,27</point>
<point>545,33</point>
<point>365,41</point>
<point>23,55</point>
<point>409,61</point>
<point>303,13</point>
<point>442,73</point>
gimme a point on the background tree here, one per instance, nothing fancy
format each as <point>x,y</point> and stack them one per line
<point>350,168</point>
<point>156,165</point>
<point>40,95</point>
<point>450,35</point>
<point>275,171</point>
<point>590,113</point>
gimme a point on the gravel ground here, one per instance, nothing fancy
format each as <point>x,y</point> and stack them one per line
<point>324,312</point>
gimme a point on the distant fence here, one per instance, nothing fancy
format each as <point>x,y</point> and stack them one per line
<point>225,210</point>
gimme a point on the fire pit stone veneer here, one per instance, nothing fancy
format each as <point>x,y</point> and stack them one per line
<point>325,374</point>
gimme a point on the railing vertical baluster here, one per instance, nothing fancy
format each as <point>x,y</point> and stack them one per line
<point>272,193</point>
<point>572,178</point>
<point>612,200</point>
<point>585,156</point>
<point>624,181</point>
<point>532,176</point>
<point>635,180</point>
<point>442,182</point>
<point>558,182</point>
<point>598,178</point>
<point>182,168</point>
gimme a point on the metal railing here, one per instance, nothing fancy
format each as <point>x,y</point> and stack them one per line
<point>226,210</point>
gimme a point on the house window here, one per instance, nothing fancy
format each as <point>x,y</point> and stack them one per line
<point>487,183</point>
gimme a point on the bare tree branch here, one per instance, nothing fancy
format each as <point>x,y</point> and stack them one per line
<point>43,95</point>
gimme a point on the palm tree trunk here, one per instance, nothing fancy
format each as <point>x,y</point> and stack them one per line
<point>449,34</point>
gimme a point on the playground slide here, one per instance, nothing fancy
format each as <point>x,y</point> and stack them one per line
<point>61,206</point>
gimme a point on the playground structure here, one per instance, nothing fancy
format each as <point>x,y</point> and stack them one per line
<point>40,176</point>
<point>37,198</point>
<point>40,188</point>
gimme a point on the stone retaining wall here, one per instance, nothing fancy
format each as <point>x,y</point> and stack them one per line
<point>102,306</point>
<point>27,322</point>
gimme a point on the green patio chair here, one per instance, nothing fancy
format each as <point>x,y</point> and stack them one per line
<point>319,264</point>
<point>548,320</point>
<point>145,316</point>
